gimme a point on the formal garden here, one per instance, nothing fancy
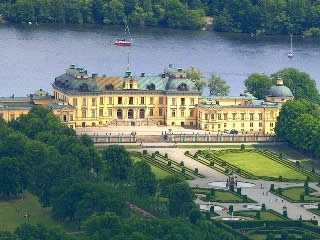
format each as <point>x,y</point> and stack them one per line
<point>254,164</point>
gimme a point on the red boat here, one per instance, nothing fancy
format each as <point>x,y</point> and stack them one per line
<point>122,43</point>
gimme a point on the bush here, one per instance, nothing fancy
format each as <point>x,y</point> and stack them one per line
<point>208,197</point>
<point>242,147</point>
<point>279,191</point>
<point>280,178</point>
<point>258,215</point>
<point>208,215</point>
<point>166,155</point>
<point>272,188</point>
<point>297,163</point>
<point>196,156</point>
<point>169,163</point>
<point>307,236</point>
<point>231,188</point>
<point>156,152</point>
<point>313,170</point>
<point>318,206</point>
<point>226,171</point>
<point>212,209</point>
<point>196,170</point>
<point>187,152</point>
<point>270,236</point>
<point>183,170</point>
<point>239,191</point>
<point>238,171</point>
<point>301,197</point>
<point>280,155</point>
<point>306,191</point>
<point>145,152</point>
<point>245,198</point>
<point>231,209</point>
<point>153,155</point>
<point>263,207</point>
<point>208,155</point>
<point>306,184</point>
<point>181,163</point>
<point>285,213</point>
<point>212,163</point>
<point>224,164</point>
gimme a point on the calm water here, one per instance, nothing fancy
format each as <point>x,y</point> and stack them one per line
<point>33,55</point>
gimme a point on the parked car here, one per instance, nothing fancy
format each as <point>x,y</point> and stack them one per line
<point>233,131</point>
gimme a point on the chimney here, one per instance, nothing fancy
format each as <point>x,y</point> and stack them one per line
<point>163,75</point>
<point>179,69</point>
<point>142,74</point>
<point>94,75</point>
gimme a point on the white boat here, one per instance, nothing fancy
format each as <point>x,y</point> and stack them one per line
<point>290,54</point>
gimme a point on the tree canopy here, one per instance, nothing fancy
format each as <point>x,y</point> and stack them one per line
<point>258,84</point>
<point>218,86</point>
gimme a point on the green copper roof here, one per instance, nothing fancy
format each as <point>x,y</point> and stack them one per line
<point>279,91</point>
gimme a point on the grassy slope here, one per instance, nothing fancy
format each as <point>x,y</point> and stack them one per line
<point>10,218</point>
<point>259,165</point>
<point>219,195</point>
<point>268,216</point>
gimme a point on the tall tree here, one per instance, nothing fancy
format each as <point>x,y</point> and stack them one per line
<point>196,76</point>
<point>218,86</point>
<point>181,199</point>
<point>300,83</point>
<point>258,84</point>
<point>144,178</point>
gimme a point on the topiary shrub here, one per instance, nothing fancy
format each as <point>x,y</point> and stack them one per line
<point>183,170</point>
<point>156,152</point>
<point>231,188</point>
<point>208,155</point>
<point>166,155</point>
<point>301,197</point>
<point>280,155</point>
<point>231,209</point>
<point>226,171</point>
<point>272,188</point>
<point>306,191</point>
<point>208,197</point>
<point>153,155</point>
<point>169,163</point>
<point>280,178</point>
<point>212,163</point>
<point>145,152</point>
<point>306,184</point>
<point>238,171</point>
<point>245,198</point>
<point>258,215</point>
<point>308,178</point>
<point>239,191</point>
<point>187,152</point>
<point>212,209</point>
<point>313,170</point>
<point>242,147</point>
<point>196,156</point>
<point>285,213</point>
<point>270,236</point>
<point>212,192</point>
<point>279,191</point>
<point>297,163</point>
<point>318,206</point>
<point>196,170</point>
<point>208,215</point>
<point>263,207</point>
<point>181,163</point>
<point>224,164</point>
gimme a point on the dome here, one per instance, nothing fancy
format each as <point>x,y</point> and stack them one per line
<point>279,91</point>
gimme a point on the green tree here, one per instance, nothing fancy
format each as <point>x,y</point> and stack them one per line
<point>6,235</point>
<point>118,163</point>
<point>144,178</point>
<point>218,86</point>
<point>13,177</point>
<point>180,199</point>
<point>196,76</point>
<point>300,83</point>
<point>166,183</point>
<point>258,84</point>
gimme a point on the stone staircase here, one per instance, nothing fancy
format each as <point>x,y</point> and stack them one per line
<point>133,122</point>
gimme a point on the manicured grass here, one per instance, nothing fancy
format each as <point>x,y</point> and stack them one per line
<point>264,215</point>
<point>220,195</point>
<point>10,218</point>
<point>125,146</point>
<point>160,174</point>
<point>294,193</point>
<point>260,165</point>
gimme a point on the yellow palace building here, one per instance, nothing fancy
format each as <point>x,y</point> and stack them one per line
<point>170,98</point>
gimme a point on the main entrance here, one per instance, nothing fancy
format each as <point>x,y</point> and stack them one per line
<point>119,113</point>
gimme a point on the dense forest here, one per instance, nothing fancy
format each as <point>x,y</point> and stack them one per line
<point>91,189</point>
<point>248,16</point>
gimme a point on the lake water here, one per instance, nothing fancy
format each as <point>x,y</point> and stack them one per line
<point>31,56</point>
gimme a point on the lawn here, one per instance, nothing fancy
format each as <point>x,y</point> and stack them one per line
<point>10,218</point>
<point>160,174</point>
<point>295,192</point>
<point>197,146</point>
<point>220,195</point>
<point>264,215</point>
<point>259,165</point>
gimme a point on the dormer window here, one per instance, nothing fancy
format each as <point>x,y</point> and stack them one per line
<point>84,87</point>
<point>109,87</point>
<point>183,87</point>
<point>151,86</point>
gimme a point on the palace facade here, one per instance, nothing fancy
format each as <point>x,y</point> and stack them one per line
<point>170,98</point>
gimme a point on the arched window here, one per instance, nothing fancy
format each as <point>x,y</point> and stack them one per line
<point>183,87</point>
<point>141,113</point>
<point>119,113</point>
<point>130,114</point>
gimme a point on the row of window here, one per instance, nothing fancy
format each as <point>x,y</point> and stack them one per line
<point>234,125</point>
<point>234,116</point>
<point>131,101</point>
